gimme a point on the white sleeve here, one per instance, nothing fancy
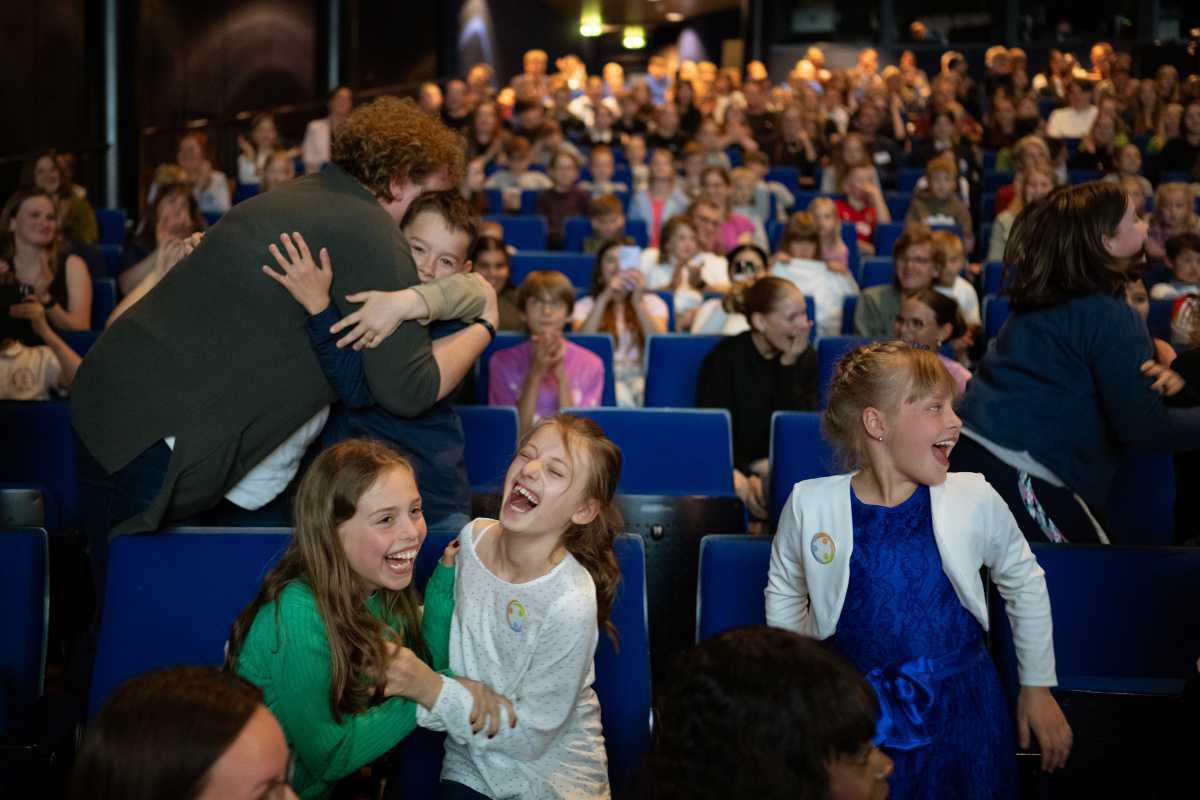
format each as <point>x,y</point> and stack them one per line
<point>547,695</point>
<point>247,171</point>
<point>1022,583</point>
<point>219,189</point>
<point>715,269</point>
<point>787,588</point>
<point>314,154</point>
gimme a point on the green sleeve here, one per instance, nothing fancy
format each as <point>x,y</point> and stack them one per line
<point>439,609</point>
<point>456,297</point>
<point>296,658</point>
<point>81,221</point>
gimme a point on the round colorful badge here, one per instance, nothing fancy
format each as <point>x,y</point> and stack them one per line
<point>516,616</point>
<point>822,548</point>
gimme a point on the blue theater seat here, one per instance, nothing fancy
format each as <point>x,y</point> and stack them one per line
<point>111,222</point>
<point>673,363</point>
<point>490,436</point>
<point>25,598</point>
<point>111,253</point>
<point>622,682</point>
<point>1141,504</point>
<point>995,314</point>
<point>877,271</point>
<point>39,447</point>
<point>829,351</point>
<point>80,341</point>
<point>1159,319</point>
<point>576,266</point>
<point>849,307</point>
<point>898,203</point>
<point>1124,620</point>
<point>670,451</point>
<point>733,577</point>
<point>993,277</point>
<point>529,198</point>
<point>580,228</point>
<point>909,177</point>
<point>798,452</point>
<point>599,343</point>
<point>104,300</point>
<point>886,234</point>
<point>668,299</point>
<point>172,597</point>
<point>524,232</point>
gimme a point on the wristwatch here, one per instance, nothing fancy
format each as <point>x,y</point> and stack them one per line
<point>487,326</point>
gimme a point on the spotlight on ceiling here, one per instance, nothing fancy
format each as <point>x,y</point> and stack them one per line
<point>634,38</point>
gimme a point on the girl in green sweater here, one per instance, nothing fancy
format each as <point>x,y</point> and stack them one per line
<point>330,617</point>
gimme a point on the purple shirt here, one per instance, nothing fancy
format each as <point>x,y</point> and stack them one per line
<point>731,231</point>
<point>583,368</point>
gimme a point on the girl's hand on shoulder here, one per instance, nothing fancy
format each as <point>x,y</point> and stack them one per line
<point>1038,713</point>
<point>450,554</point>
<point>1165,380</point>
<point>306,282</point>
<point>485,713</point>
<point>408,676</point>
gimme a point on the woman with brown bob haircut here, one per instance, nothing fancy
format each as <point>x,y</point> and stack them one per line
<point>1069,385</point>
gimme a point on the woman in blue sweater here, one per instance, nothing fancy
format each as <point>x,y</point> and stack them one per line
<point>1069,385</point>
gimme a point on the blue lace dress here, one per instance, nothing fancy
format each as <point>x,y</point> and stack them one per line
<point>945,721</point>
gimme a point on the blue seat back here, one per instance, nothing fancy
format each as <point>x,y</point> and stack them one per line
<point>995,181</point>
<point>578,229</point>
<point>670,451</point>
<point>829,351</point>
<point>111,253</point>
<point>524,232</point>
<point>668,299</point>
<point>1078,176</point>
<point>877,271</point>
<point>25,598</point>
<point>798,452</point>
<point>1159,319</point>
<point>993,277</point>
<point>622,678</point>
<point>886,234</point>
<point>1141,503</point>
<point>111,222</point>
<point>211,217</point>
<point>104,300</point>
<point>490,437</point>
<point>80,341</point>
<point>995,314</point>
<point>599,343</point>
<point>155,615</point>
<point>733,578</point>
<point>529,198</point>
<point>987,206</point>
<point>898,203</point>
<point>1120,623</point>
<point>849,307</point>
<point>576,266</point>
<point>673,367</point>
<point>908,178</point>
<point>39,447</point>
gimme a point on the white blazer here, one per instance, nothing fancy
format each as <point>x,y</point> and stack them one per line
<point>973,527</point>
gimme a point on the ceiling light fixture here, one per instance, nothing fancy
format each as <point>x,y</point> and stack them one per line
<point>634,38</point>
<point>674,16</point>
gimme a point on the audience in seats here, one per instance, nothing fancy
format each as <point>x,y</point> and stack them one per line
<point>804,260</point>
<point>901,525</point>
<point>209,184</point>
<point>257,152</point>
<point>178,732</point>
<point>916,269</point>
<point>929,319</point>
<point>618,304</point>
<point>607,219</point>
<point>1030,185</point>
<point>44,268</point>
<point>547,373</point>
<point>734,228</point>
<point>1182,256</point>
<point>663,197</point>
<point>1174,215</point>
<point>172,217</point>
<point>768,368</point>
<point>750,685</point>
<point>680,267</point>
<point>565,198</point>
<point>518,176</point>
<point>490,258</point>
<point>716,315</point>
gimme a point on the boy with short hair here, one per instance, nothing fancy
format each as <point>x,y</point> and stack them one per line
<point>939,203</point>
<point>563,199</point>
<point>759,164</point>
<point>864,205</point>
<point>547,373</point>
<point>518,177</point>
<point>602,165</point>
<point>440,228</point>
<point>950,259</point>
<point>1183,258</point>
<point>608,222</point>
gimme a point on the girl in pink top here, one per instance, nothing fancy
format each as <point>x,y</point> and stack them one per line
<point>735,229</point>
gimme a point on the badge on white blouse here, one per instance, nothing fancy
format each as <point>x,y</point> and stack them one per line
<point>822,548</point>
<point>516,616</point>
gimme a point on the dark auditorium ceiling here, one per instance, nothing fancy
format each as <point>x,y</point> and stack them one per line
<point>643,12</point>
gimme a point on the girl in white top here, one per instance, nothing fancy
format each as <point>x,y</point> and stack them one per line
<point>803,261</point>
<point>532,590</point>
<point>885,562</point>
<point>747,263</point>
<point>619,304</point>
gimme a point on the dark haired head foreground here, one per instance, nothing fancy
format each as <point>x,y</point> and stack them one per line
<point>765,713</point>
<point>185,733</point>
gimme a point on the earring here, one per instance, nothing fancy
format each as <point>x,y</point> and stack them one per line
<point>881,437</point>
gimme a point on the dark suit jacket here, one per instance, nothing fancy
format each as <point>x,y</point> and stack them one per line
<point>217,355</point>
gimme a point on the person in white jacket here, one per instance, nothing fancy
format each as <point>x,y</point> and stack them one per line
<point>531,592</point>
<point>885,562</point>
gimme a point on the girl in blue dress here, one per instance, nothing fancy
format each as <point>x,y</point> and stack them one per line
<point>885,562</point>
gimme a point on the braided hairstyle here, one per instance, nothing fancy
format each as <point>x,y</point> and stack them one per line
<point>880,375</point>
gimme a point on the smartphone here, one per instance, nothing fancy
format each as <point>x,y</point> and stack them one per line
<point>629,257</point>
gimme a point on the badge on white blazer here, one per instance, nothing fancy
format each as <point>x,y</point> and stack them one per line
<point>517,618</point>
<point>822,548</point>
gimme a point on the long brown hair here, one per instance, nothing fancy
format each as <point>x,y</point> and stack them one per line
<point>328,496</point>
<point>54,253</point>
<point>627,309</point>
<point>592,544</point>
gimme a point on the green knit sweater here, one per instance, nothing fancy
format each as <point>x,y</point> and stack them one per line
<point>288,657</point>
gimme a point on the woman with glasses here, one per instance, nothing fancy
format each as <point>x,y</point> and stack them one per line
<point>878,306</point>
<point>929,319</point>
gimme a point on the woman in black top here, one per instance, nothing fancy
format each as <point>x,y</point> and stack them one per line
<point>752,375</point>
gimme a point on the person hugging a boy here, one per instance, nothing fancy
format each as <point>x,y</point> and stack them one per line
<point>939,203</point>
<point>440,228</point>
<point>547,373</point>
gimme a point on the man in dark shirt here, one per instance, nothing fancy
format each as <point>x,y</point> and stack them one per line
<point>763,122</point>
<point>885,151</point>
